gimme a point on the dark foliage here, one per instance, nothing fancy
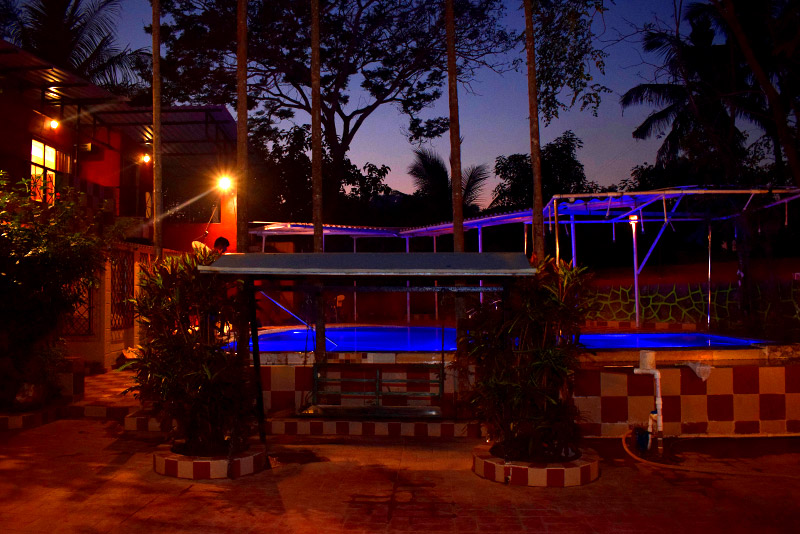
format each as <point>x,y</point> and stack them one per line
<point>524,355</point>
<point>50,256</point>
<point>181,366</point>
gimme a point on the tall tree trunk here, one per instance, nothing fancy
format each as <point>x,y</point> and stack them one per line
<point>242,237</point>
<point>788,142</point>
<point>158,197</point>
<point>316,173</point>
<point>455,130</point>
<point>537,228</point>
<point>316,129</point>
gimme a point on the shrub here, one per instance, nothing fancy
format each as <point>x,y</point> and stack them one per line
<point>181,366</point>
<point>524,356</point>
<point>50,257</point>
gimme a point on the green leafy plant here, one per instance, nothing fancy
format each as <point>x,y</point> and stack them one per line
<point>524,356</point>
<point>50,257</point>
<point>182,367</point>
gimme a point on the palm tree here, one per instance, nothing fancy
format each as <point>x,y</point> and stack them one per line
<point>75,35</point>
<point>433,184</point>
<point>699,103</point>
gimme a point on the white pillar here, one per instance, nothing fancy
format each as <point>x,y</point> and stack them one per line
<point>480,251</point>
<point>555,216</point>
<point>708,320</point>
<point>435,294</point>
<point>408,283</point>
<point>355,295</point>
<point>572,238</point>
<point>635,271</point>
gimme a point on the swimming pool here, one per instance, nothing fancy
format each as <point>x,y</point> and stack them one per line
<point>429,339</point>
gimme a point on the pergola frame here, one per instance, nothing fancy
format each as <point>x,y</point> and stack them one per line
<point>635,208</point>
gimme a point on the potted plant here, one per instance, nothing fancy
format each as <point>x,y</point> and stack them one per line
<point>181,368</point>
<point>524,355</point>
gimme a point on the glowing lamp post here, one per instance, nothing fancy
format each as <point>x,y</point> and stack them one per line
<point>632,220</point>
<point>54,124</point>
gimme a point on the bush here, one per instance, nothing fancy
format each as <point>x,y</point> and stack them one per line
<point>50,257</point>
<point>524,356</point>
<point>181,367</point>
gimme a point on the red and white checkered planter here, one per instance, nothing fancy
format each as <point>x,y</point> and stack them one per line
<point>167,463</point>
<point>578,472</point>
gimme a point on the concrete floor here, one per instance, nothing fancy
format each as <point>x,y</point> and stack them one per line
<point>87,476</point>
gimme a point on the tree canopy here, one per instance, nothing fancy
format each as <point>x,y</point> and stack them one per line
<point>373,52</point>
<point>561,173</point>
<point>707,93</point>
<point>76,35</point>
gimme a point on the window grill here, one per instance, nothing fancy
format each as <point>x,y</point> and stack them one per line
<point>121,290</point>
<point>79,323</point>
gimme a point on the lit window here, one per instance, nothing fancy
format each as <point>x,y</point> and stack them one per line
<point>48,165</point>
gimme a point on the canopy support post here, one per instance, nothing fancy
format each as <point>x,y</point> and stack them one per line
<point>251,302</point>
<point>355,293</point>
<point>635,272</point>
<point>572,238</point>
<point>555,213</point>
<point>408,283</point>
<point>480,251</point>
<point>708,318</point>
<point>436,293</point>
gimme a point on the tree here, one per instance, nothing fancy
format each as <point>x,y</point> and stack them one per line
<point>50,257</point>
<point>455,125</point>
<point>433,184</point>
<point>766,36</point>
<point>697,101</point>
<point>374,53</point>
<point>561,32</point>
<point>561,173</point>
<point>76,35</point>
<point>242,236</point>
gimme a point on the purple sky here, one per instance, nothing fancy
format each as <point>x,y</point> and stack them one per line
<point>494,120</point>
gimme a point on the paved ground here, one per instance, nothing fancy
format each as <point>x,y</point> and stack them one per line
<point>88,477</point>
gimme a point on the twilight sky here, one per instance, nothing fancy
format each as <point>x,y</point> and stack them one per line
<point>494,119</point>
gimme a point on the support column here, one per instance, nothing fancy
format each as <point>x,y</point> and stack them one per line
<point>633,220</point>
<point>555,216</point>
<point>435,293</point>
<point>708,319</point>
<point>355,293</point>
<point>408,284</point>
<point>480,251</point>
<point>572,239</point>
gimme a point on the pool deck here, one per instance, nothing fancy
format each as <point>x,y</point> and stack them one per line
<point>88,476</point>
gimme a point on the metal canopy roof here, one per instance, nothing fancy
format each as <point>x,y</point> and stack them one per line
<point>583,208</point>
<point>293,228</point>
<point>185,130</point>
<point>337,265</point>
<point>661,205</point>
<point>57,86</point>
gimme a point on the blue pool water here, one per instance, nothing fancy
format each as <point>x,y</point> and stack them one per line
<point>429,339</point>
